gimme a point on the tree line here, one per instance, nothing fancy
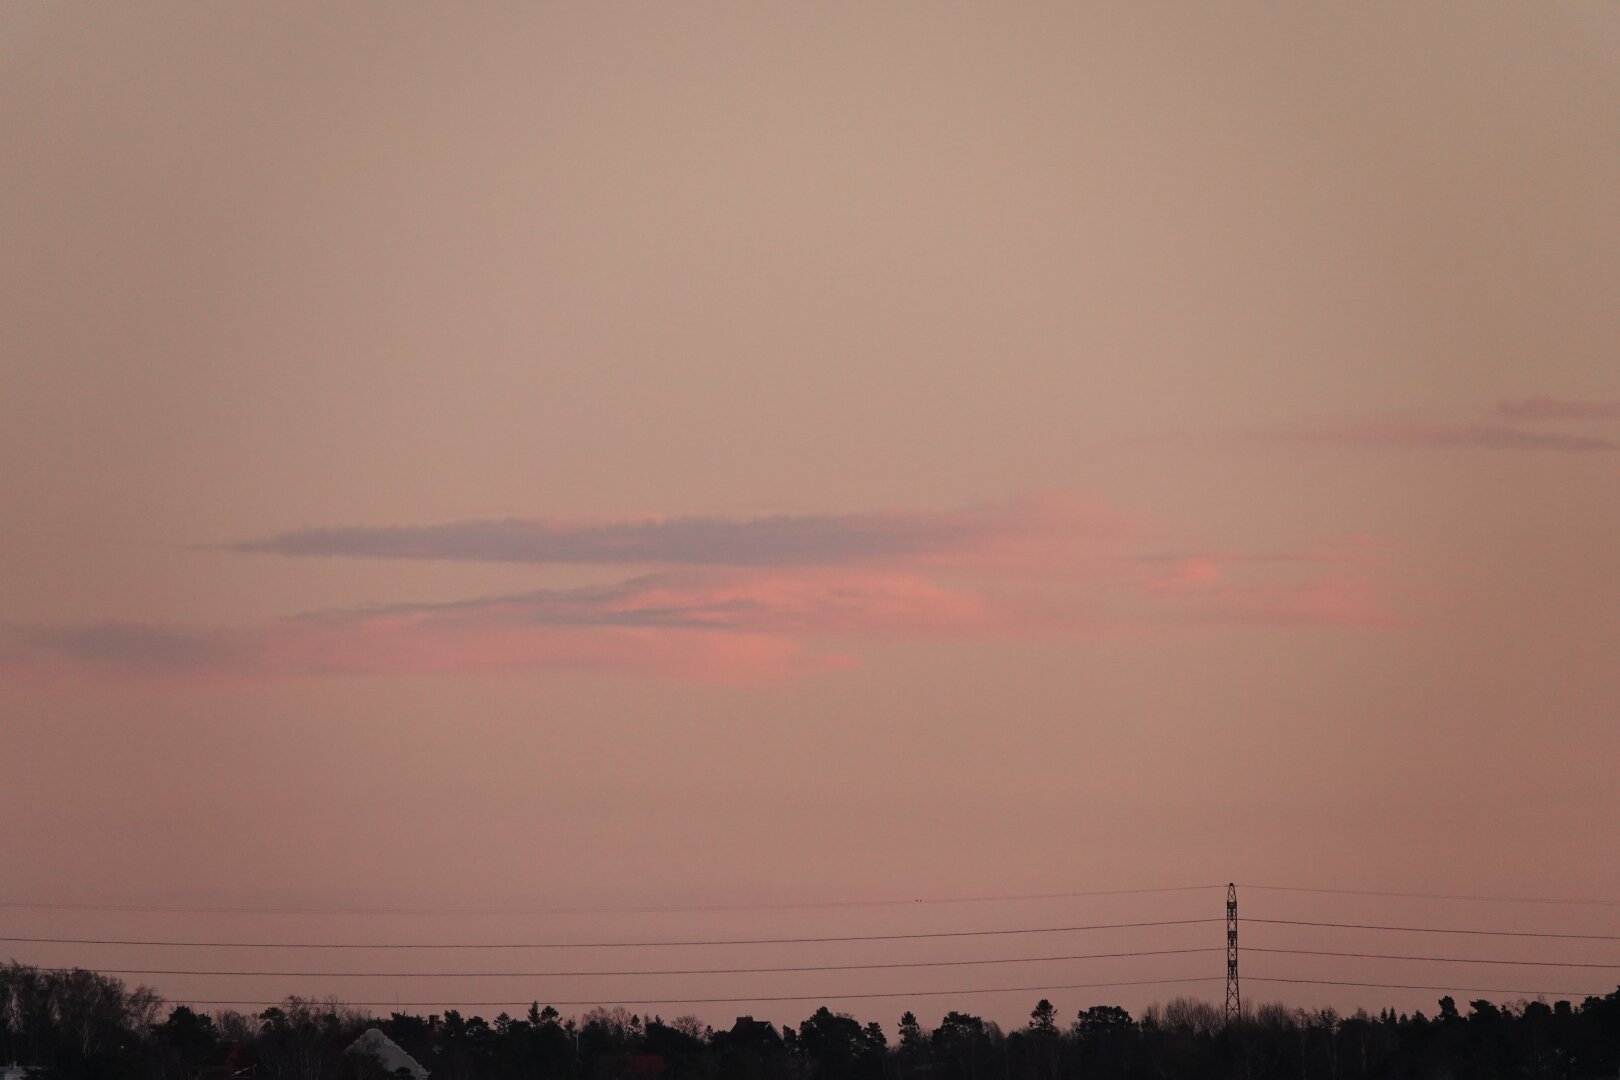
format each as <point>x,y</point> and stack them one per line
<point>80,1025</point>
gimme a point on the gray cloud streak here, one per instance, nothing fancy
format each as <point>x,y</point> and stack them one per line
<point>1542,408</point>
<point>1477,436</point>
<point>806,540</point>
<point>664,601</point>
<point>134,646</point>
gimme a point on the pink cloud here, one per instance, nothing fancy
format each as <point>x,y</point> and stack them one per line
<point>1325,585</point>
<point>1192,572</point>
<point>814,602</point>
<point>393,645</point>
<point>712,626</point>
<point>1046,565</point>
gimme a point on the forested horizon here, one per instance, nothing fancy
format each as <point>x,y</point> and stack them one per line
<point>81,1025</point>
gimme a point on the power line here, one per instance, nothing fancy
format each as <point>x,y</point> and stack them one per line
<point>744,1000</point>
<point>653,971</point>
<point>1435,959</point>
<point>614,944</point>
<point>1435,930</point>
<point>57,905</point>
<point>63,905</point>
<point>1420,986</point>
<point>1474,897</point>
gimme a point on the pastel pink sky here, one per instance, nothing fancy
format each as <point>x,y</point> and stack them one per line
<point>630,457</point>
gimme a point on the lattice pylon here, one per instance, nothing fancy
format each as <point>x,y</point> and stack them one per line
<point>1234,1000</point>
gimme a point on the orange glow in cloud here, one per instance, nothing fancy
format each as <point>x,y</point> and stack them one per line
<point>1187,573</point>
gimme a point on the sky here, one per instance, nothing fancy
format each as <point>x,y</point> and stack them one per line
<point>536,467</point>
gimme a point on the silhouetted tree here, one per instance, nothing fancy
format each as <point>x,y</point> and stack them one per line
<point>186,1042</point>
<point>84,1026</point>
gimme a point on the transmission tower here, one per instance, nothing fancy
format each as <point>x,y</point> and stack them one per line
<point>1234,1001</point>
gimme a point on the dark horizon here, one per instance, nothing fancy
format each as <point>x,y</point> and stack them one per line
<point>78,1024</point>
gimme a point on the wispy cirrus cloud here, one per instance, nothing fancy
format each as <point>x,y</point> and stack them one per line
<point>706,625</point>
<point>1421,433</point>
<point>1545,408</point>
<point>124,646</point>
<point>795,602</point>
<point>390,645</point>
<point>1500,430</point>
<point>738,600</point>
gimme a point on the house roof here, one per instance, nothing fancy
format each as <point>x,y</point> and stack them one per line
<point>387,1053</point>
